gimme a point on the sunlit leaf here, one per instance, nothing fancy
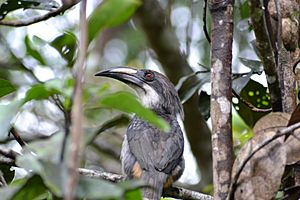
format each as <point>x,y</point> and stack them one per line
<point>126,102</point>
<point>39,92</point>
<point>6,87</point>
<point>241,132</point>
<point>133,195</point>
<point>33,52</point>
<point>7,113</point>
<point>110,13</point>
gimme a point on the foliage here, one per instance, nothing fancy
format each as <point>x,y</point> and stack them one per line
<point>27,97</point>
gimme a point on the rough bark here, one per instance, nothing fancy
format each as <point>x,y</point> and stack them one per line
<point>267,57</point>
<point>165,44</point>
<point>283,17</point>
<point>221,116</point>
<point>287,81</point>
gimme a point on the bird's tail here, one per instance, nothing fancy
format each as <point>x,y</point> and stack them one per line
<point>155,181</point>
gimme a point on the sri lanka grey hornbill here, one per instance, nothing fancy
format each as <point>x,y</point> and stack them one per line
<point>147,152</point>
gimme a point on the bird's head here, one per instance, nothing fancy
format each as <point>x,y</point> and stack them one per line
<point>154,89</point>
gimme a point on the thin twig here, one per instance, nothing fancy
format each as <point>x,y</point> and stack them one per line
<point>278,134</point>
<point>252,107</point>
<point>204,22</point>
<point>17,136</point>
<point>8,153</point>
<point>279,28</point>
<point>175,192</point>
<point>2,180</point>
<point>60,10</point>
<point>76,113</point>
<point>269,29</point>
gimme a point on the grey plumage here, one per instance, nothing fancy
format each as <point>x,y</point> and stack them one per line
<point>147,152</point>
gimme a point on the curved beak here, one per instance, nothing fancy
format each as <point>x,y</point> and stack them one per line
<point>125,74</point>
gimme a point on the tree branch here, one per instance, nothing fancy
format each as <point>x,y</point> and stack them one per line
<point>252,107</point>
<point>17,136</point>
<point>76,113</point>
<point>205,22</point>
<point>34,20</point>
<point>265,52</point>
<point>174,192</point>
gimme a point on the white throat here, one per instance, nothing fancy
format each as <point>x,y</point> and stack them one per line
<point>149,98</point>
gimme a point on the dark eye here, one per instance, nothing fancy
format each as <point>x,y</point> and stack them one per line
<point>149,76</point>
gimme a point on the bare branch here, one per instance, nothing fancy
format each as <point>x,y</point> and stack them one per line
<point>8,153</point>
<point>17,137</point>
<point>174,192</point>
<point>252,107</point>
<point>34,20</point>
<point>278,134</point>
<point>205,22</point>
<point>76,113</point>
<point>266,53</point>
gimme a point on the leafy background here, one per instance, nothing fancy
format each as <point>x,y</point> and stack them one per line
<point>36,86</point>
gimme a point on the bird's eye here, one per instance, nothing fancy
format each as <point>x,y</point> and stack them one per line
<point>149,76</point>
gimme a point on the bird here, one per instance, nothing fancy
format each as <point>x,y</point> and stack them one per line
<point>148,153</point>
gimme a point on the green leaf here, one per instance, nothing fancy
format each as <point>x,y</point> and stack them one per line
<point>44,148</point>
<point>7,113</point>
<point>29,188</point>
<point>188,85</point>
<point>133,195</point>
<point>66,45</point>
<point>8,172</point>
<point>33,52</point>
<point>6,87</point>
<point>116,121</point>
<point>110,13</point>
<point>128,103</point>
<point>54,177</point>
<point>33,188</point>
<point>39,92</point>
<point>97,189</point>
<point>204,105</point>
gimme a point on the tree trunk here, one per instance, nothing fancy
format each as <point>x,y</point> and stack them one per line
<point>221,116</point>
